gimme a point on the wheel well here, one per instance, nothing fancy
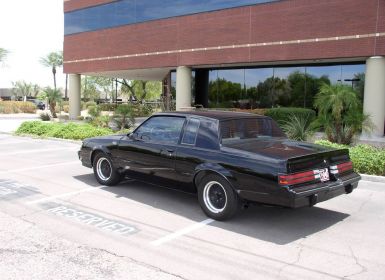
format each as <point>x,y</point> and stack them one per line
<point>201,174</point>
<point>93,155</point>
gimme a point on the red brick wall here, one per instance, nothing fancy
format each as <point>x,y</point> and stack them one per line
<point>274,22</point>
<point>71,5</point>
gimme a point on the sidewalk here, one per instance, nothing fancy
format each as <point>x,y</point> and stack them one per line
<point>10,122</point>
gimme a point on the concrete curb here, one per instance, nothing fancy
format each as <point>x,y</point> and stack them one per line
<point>45,138</point>
<point>373,178</point>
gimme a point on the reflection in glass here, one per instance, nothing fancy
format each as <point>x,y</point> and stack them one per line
<point>124,12</point>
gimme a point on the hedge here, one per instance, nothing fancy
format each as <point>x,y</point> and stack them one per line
<point>12,107</point>
<point>61,130</point>
<point>366,159</point>
<point>282,115</point>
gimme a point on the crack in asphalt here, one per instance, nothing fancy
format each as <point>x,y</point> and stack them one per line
<point>133,261</point>
<point>297,260</point>
<point>357,262</point>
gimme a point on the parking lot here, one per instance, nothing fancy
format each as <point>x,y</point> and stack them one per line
<point>57,221</point>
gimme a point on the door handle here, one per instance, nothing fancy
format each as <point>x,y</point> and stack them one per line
<point>168,152</point>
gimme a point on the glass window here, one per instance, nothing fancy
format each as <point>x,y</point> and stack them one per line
<point>190,132</point>
<point>161,129</point>
<point>208,135</point>
<point>247,128</point>
<point>124,12</point>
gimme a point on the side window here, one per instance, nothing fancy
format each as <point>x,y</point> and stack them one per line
<point>208,135</point>
<point>162,129</point>
<point>190,132</point>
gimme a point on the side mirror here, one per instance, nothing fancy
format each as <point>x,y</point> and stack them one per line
<point>133,136</point>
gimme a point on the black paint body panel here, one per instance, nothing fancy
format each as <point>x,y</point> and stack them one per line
<point>251,167</point>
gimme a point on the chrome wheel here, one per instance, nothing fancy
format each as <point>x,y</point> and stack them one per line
<point>103,169</point>
<point>215,197</point>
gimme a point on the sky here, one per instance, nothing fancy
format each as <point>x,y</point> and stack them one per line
<point>30,30</point>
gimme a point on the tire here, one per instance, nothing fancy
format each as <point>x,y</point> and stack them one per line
<point>104,171</point>
<point>217,198</point>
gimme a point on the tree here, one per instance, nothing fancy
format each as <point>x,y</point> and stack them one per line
<point>22,88</point>
<point>340,113</point>
<point>53,60</point>
<point>3,54</point>
<point>89,90</point>
<point>53,96</point>
<point>141,90</point>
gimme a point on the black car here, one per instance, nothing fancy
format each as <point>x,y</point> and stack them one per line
<point>39,104</point>
<point>230,159</point>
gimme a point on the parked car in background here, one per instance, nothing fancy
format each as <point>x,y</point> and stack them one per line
<point>229,159</point>
<point>39,104</point>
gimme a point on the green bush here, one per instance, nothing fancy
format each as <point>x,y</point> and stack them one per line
<point>89,103</point>
<point>366,159</point>
<point>281,115</point>
<point>107,106</point>
<point>45,116</point>
<point>13,107</point>
<point>94,111</point>
<point>61,130</point>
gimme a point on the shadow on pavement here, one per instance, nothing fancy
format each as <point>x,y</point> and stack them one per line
<point>273,224</point>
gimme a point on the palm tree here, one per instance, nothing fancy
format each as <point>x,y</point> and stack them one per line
<point>53,60</point>
<point>53,96</point>
<point>340,113</point>
<point>22,88</point>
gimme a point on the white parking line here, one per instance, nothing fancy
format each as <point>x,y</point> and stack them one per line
<point>63,195</point>
<point>37,151</point>
<point>39,167</point>
<point>181,232</point>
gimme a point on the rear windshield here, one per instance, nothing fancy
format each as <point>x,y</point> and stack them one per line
<point>248,128</point>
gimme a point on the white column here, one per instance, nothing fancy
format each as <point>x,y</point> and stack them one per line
<point>74,96</point>
<point>374,95</point>
<point>183,88</point>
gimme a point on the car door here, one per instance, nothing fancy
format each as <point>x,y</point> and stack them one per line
<point>150,151</point>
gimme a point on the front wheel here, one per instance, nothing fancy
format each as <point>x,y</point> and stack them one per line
<point>104,171</point>
<point>217,198</point>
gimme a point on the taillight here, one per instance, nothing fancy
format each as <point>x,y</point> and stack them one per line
<point>298,178</point>
<point>341,168</point>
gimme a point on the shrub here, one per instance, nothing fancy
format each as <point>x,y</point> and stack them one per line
<point>61,130</point>
<point>45,117</point>
<point>282,115</point>
<point>89,103</point>
<point>366,159</point>
<point>101,121</point>
<point>299,127</point>
<point>124,116</point>
<point>66,108</point>
<point>94,111</point>
<point>13,107</point>
<point>340,113</point>
<point>107,106</point>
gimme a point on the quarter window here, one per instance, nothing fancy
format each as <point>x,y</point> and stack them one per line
<point>161,129</point>
<point>190,132</point>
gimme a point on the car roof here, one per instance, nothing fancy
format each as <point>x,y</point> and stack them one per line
<point>213,114</point>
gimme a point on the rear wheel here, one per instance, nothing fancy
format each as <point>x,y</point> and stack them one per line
<point>217,198</point>
<point>104,171</point>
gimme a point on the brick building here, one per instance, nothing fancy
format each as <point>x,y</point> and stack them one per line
<point>150,39</point>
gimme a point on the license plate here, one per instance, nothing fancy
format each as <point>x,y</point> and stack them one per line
<point>324,175</point>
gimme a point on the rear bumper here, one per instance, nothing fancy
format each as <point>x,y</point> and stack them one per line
<point>314,196</point>
<point>304,196</point>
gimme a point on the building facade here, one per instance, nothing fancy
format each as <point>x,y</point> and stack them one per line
<point>150,39</point>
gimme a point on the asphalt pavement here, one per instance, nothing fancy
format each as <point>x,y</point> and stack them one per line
<point>56,221</point>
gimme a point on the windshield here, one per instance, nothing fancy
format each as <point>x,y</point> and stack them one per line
<point>249,128</point>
